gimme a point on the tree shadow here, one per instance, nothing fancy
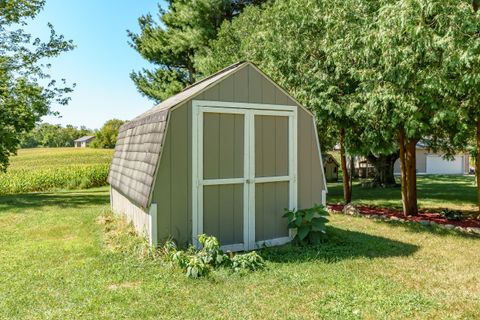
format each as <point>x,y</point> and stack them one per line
<point>341,245</point>
<point>66,199</point>
<point>440,190</point>
<point>416,227</point>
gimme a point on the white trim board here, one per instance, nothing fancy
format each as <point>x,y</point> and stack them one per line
<point>209,105</point>
<point>249,110</point>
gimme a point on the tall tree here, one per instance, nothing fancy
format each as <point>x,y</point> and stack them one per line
<point>172,42</point>
<point>403,57</point>
<point>305,46</point>
<point>23,97</point>
<point>106,137</point>
<point>463,69</point>
<point>373,69</point>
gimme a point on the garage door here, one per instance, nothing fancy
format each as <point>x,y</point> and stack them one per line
<point>438,165</point>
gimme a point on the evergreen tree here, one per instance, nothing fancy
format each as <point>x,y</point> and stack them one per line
<point>172,41</point>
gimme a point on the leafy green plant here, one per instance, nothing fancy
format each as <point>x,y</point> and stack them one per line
<point>310,224</point>
<point>197,267</point>
<point>200,263</point>
<point>211,252</point>
<point>251,261</point>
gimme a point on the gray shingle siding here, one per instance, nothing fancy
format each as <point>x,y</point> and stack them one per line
<point>136,156</point>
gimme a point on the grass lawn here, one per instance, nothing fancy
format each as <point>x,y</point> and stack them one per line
<point>53,264</point>
<point>434,192</point>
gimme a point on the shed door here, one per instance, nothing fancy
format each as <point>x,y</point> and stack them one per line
<point>244,174</point>
<point>223,178</point>
<point>272,176</point>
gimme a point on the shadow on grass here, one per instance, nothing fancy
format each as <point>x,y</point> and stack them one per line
<point>340,245</point>
<point>63,199</point>
<point>416,227</point>
<point>436,191</point>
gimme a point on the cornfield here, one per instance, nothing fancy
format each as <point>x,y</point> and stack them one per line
<point>46,169</point>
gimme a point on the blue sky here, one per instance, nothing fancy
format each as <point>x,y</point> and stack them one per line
<point>102,61</point>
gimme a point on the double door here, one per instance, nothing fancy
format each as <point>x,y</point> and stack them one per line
<point>244,173</point>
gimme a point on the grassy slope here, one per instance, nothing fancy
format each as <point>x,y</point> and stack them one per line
<point>434,192</point>
<point>53,265</point>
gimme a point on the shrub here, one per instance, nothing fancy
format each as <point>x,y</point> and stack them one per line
<point>310,224</point>
<point>200,263</point>
<point>251,261</point>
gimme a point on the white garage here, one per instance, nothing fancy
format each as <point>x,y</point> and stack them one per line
<point>433,163</point>
<point>438,165</point>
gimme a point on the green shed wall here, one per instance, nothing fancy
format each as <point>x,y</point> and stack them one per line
<point>172,189</point>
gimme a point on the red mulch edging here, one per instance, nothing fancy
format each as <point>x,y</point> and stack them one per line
<point>423,216</point>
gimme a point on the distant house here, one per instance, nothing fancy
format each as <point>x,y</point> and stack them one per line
<point>83,142</point>
<point>429,162</point>
<point>330,167</point>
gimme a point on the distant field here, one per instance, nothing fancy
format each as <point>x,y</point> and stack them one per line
<point>46,169</point>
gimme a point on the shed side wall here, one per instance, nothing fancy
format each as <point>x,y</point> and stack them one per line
<point>134,214</point>
<point>173,181</point>
<point>310,171</point>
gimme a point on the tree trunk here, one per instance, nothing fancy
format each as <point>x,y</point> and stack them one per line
<point>347,192</point>
<point>477,163</point>
<point>403,174</point>
<point>383,169</point>
<point>352,174</point>
<point>408,170</point>
<point>411,162</point>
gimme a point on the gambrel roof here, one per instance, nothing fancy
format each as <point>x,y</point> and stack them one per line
<point>140,141</point>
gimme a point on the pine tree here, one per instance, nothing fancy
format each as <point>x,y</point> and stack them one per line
<point>172,41</point>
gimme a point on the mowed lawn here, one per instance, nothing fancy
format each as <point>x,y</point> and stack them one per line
<point>53,265</point>
<point>434,192</point>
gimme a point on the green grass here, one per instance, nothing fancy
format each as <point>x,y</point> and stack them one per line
<point>54,265</point>
<point>45,169</point>
<point>434,192</point>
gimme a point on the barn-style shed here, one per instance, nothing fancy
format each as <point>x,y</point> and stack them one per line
<point>223,157</point>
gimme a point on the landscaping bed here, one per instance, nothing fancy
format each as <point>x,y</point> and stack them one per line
<point>466,224</point>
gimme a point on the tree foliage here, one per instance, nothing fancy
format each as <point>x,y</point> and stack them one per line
<point>106,137</point>
<point>53,136</point>
<point>379,72</point>
<point>173,39</point>
<point>26,90</point>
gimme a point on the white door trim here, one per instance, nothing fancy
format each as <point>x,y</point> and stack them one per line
<point>249,110</point>
<point>241,105</point>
